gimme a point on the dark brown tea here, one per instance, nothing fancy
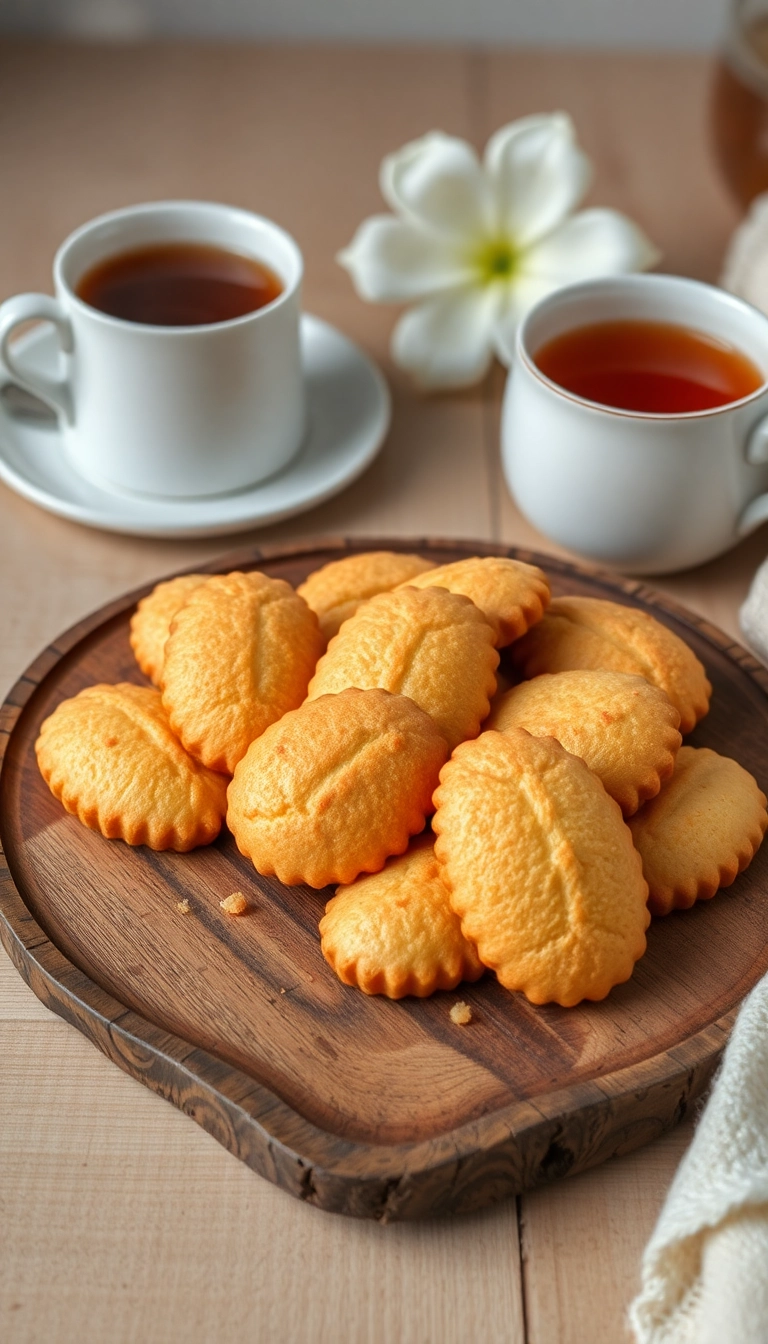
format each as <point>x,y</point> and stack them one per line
<point>178,285</point>
<point>740,106</point>
<point>654,367</point>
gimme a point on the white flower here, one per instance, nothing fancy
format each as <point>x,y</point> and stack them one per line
<point>476,244</point>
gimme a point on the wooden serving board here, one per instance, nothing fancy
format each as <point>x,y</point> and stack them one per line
<point>362,1105</point>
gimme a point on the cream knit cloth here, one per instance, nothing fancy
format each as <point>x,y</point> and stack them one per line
<point>705,1269</point>
<point>754,614</point>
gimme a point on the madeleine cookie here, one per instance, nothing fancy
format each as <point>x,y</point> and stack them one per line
<point>540,867</point>
<point>335,787</point>
<point>109,755</point>
<point>394,932</point>
<point>336,591</point>
<point>701,831</point>
<point>151,621</point>
<point>428,644</point>
<point>512,596</point>
<point>240,653</point>
<point>588,632</point>
<point>624,728</point>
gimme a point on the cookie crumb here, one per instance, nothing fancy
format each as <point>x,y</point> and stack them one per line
<point>183,906</point>
<point>235,904</point>
<point>461,1013</point>
<point>282,991</point>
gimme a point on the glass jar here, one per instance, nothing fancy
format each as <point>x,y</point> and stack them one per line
<point>740,101</point>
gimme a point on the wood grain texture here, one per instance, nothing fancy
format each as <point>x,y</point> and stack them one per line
<point>178,1244</point>
<point>593,1229</point>
<point>360,1106</point>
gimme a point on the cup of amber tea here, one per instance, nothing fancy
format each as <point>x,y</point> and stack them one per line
<point>180,367</point>
<point>635,420</point>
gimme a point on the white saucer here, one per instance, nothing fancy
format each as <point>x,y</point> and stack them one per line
<point>349,414</point>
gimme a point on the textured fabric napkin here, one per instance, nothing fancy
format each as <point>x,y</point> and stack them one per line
<point>754,614</point>
<point>705,1269</point>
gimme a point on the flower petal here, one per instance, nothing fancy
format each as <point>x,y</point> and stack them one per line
<point>519,298</point>
<point>391,261</point>
<point>539,174</point>
<point>593,242</point>
<point>438,183</point>
<point>447,341</point>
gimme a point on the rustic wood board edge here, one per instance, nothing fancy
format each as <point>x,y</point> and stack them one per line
<point>498,1155</point>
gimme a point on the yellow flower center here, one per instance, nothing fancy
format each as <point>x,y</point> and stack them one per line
<point>496,260</point>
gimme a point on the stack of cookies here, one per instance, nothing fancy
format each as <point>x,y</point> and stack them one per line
<point>327,724</point>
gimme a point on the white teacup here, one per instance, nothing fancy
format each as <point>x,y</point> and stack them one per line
<point>644,492</point>
<point>171,411</point>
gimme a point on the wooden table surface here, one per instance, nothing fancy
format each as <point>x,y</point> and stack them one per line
<point>120,1219</point>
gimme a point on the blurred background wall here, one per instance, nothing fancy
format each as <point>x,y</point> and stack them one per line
<point>673,24</point>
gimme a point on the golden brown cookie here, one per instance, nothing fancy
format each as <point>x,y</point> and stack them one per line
<point>624,728</point>
<point>701,831</point>
<point>109,755</point>
<point>588,632</point>
<point>335,787</point>
<point>429,644</point>
<point>394,932</point>
<point>240,653</point>
<point>151,621</point>
<point>512,596</point>
<point>541,867</point>
<point>338,589</point>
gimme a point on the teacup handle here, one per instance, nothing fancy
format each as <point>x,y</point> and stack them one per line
<point>756,453</point>
<point>55,392</point>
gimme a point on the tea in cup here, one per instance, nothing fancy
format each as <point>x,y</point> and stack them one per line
<point>178,323</point>
<point>178,285</point>
<point>635,420</point>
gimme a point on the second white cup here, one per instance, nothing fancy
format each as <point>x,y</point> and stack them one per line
<point>171,411</point>
<point>640,491</point>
